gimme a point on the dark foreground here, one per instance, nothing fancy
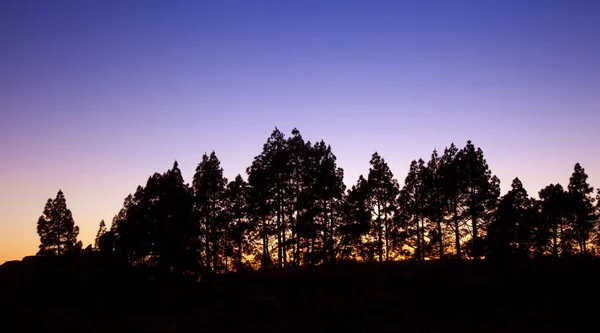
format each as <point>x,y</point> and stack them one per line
<point>430,296</point>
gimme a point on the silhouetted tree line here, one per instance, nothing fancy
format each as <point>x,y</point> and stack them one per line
<point>294,209</point>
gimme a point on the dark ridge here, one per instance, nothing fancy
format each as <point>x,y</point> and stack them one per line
<point>95,294</point>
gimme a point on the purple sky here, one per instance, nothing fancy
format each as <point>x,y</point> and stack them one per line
<point>97,95</point>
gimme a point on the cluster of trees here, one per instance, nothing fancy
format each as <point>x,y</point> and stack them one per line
<point>294,209</point>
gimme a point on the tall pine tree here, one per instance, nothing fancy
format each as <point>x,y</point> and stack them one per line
<point>481,191</point>
<point>56,228</point>
<point>209,194</point>
<point>384,190</point>
<point>583,217</point>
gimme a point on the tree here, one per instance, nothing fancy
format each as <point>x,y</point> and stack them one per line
<point>450,182</point>
<point>259,206</point>
<point>553,212</point>
<point>384,190</point>
<point>276,161</point>
<point>329,189</point>
<point>209,193</point>
<point>99,234</point>
<point>414,194</point>
<point>402,226</point>
<point>481,191</point>
<point>237,197</point>
<point>298,160</point>
<point>156,227</point>
<point>580,197</point>
<point>57,229</point>
<point>510,233</point>
<point>356,221</point>
<point>434,197</point>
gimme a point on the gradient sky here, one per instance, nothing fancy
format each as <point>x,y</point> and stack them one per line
<point>95,96</point>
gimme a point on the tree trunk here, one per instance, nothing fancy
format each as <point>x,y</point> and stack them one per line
<point>387,247</point>
<point>279,252</point>
<point>555,240</point>
<point>284,244</point>
<point>307,251</point>
<point>379,238</point>
<point>265,242</point>
<point>312,245</point>
<point>294,225</point>
<point>456,231</point>
<point>215,251</point>
<point>440,241</point>
<point>418,251</point>
<point>207,244</point>
<point>562,237</point>
<point>422,235</point>
<point>475,240</point>
<point>240,240</point>
<point>332,253</point>
<point>324,246</point>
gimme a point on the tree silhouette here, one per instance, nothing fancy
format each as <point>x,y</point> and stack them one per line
<point>99,234</point>
<point>56,228</point>
<point>260,207</point>
<point>435,200</point>
<point>403,224</point>
<point>581,200</point>
<point>554,210</point>
<point>276,161</point>
<point>298,163</point>
<point>329,189</point>
<point>237,198</point>
<point>356,221</point>
<point>156,227</point>
<point>209,194</point>
<point>511,231</point>
<point>481,191</point>
<point>384,189</point>
<point>416,196</point>
<point>450,179</point>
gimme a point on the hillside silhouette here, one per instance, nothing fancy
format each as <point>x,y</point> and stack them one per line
<point>93,295</point>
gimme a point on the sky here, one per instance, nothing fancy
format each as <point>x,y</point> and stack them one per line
<point>95,96</point>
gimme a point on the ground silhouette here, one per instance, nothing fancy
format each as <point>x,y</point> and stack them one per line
<point>94,294</point>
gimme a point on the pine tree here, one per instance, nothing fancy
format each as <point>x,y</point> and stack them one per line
<point>481,191</point>
<point>177,224</point>
<point>583,217</point>
<point>276,161</point>
<point>209,193</point>
<point>510,233</point>
<point>57,229</point>
<point>237,198</point>
<point>403,224</point>
<point>435,200</point>
<point>329,189</point>
<point>297,153</point>
<point>156,227</point>
<point>384,190</point>
<point>99,234</point>
<point>414,193</point>
<point>449,176</point>
<point>260,206</point>
<point>554,210</point>
<point>356,221</point>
